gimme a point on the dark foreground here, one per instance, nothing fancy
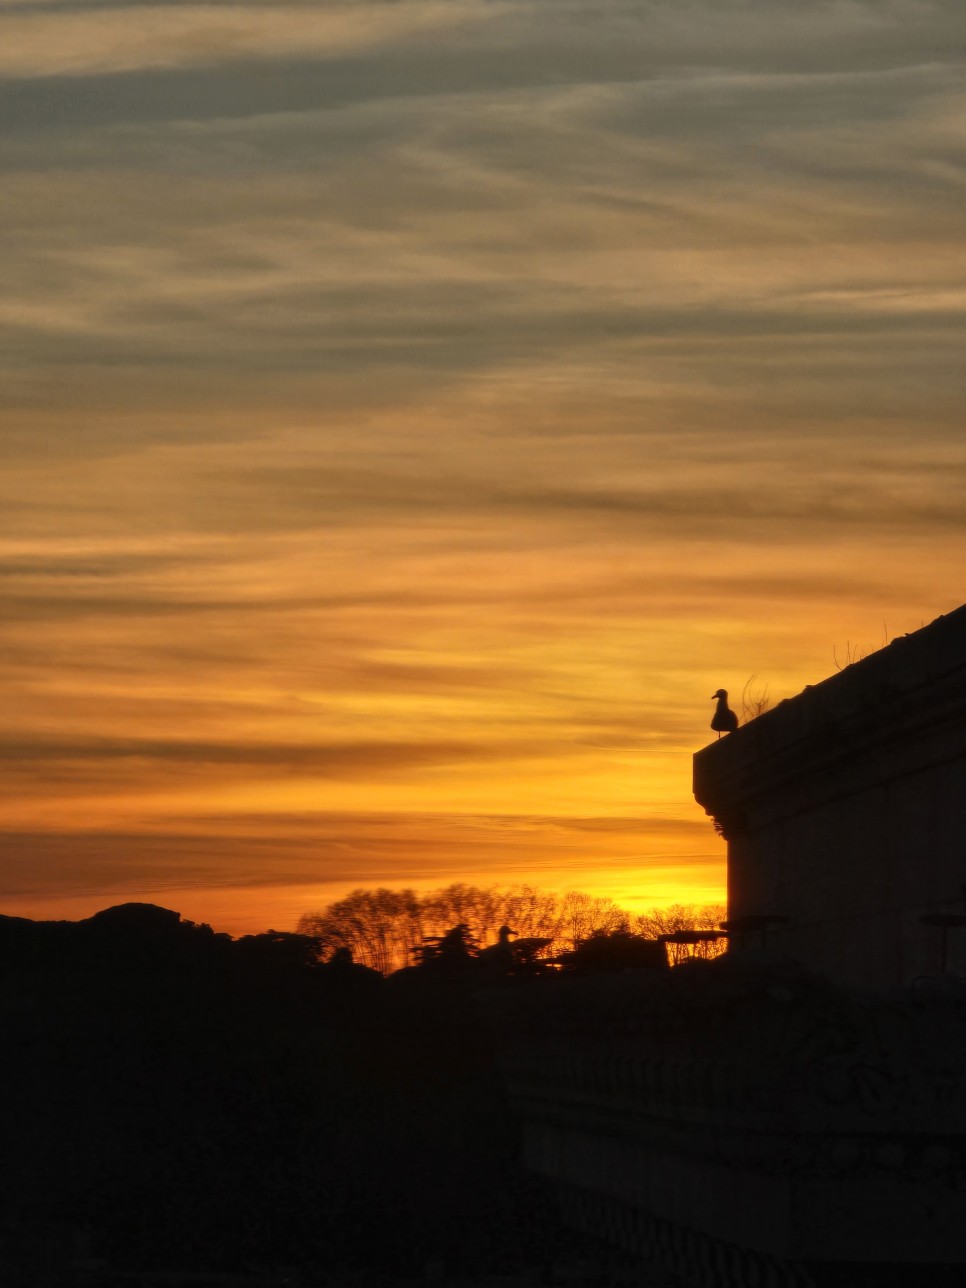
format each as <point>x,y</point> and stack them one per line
<point>181,1108</point>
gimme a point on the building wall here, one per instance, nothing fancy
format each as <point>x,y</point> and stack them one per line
<point>845,811</point>
<point>739,1122</point>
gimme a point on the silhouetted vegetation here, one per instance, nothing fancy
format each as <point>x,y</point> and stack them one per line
<point>385,928</point>
<point>680,918</point>
<point>754,701</point>
<point>175,1099</point>
<point>854,652</point>
<point>178,1101</point>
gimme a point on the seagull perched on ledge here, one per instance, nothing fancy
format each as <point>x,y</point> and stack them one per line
<point>724,719</point>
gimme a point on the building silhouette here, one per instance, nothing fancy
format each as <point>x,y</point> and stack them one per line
<point>844,810</point>
<point>793,1113</point>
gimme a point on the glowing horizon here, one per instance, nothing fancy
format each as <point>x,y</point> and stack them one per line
<point>413,413</point>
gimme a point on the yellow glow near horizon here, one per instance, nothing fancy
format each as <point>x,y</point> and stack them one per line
<point>410,418</point>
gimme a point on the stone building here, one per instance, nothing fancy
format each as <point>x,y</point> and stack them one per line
<point>844,810</point>
<point>793,1118</point>
<point>741,1124</point>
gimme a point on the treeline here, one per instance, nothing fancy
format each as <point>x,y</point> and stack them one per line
<point>190,1102</point>
<point>383,928</point>
<point>180,1102</point>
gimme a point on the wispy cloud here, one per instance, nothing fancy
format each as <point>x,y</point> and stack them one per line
<point>394,393</point>
<point>86,39</point>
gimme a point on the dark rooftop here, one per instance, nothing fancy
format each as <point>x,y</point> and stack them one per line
<point>914,682</point>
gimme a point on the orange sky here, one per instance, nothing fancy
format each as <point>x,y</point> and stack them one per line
<point>412,413</point>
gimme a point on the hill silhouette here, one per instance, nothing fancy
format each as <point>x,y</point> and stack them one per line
<point>179,1100</point>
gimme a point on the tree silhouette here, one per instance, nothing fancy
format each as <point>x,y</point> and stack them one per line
<point>452,950</point>
<point>379,927</point>
<point>383,928</point>
<point>684,917</point>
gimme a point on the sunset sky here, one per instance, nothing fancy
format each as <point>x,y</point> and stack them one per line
<point>412,412</point>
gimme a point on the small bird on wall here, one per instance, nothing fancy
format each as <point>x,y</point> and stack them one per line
<point>724,719</point>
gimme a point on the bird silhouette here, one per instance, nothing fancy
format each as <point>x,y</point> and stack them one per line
<point>724,719</point>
